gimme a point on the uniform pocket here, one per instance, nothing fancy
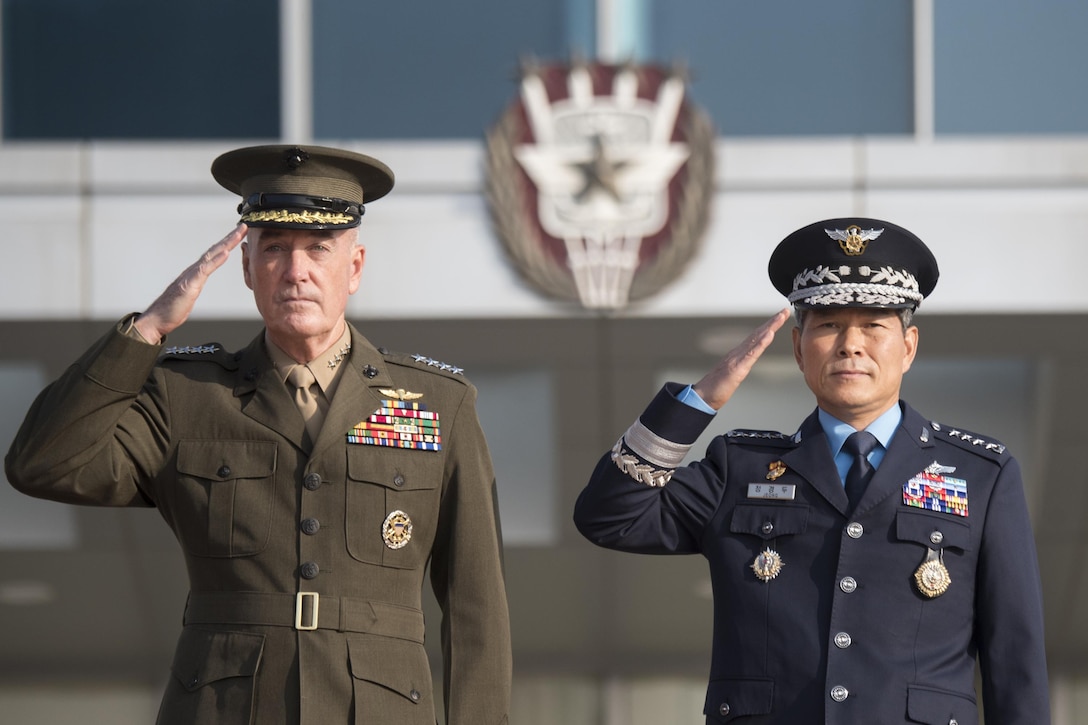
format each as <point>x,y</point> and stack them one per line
<point>213,678</point>
<point>391,507</point>
<point>727,700</point>
<point>936,531</point>
<point>940,707</point>
<point>769,521</point>
<point>224,496</point>
<point>392,681</point>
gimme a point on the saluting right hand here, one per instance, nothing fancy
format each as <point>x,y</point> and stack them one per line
<point>718,385</point>
<point>174,305</point>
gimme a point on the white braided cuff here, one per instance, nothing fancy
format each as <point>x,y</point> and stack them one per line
<point>633,467</point>
<point>653,448</point>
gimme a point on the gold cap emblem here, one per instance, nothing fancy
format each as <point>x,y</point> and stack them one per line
<point>397,530</point>
<point>775,470</point>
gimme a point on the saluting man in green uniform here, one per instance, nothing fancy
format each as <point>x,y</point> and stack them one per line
<point>310,477</point>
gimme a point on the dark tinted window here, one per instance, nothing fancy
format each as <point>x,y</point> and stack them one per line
<point>86,69</point>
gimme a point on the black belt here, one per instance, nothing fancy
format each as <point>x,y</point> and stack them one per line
<point>305,611</point>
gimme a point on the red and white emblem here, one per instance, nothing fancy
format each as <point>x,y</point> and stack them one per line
<point>599,180</point>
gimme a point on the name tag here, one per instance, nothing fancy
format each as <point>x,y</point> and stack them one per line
<point>782,491</point>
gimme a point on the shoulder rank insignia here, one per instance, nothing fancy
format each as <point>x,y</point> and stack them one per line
<point>978,442</point>
<point>399,423</point>
<point>192,350</point>
<point>452,369</point>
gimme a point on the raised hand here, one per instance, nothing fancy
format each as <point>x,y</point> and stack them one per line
<point>174,305</point>
<point>718,385</point>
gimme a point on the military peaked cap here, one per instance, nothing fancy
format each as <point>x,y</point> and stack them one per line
<point>302,187</point>
<point>853,262</point>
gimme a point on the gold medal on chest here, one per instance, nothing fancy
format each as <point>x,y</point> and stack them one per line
<point>767,565</point>
<point>397,530</point>
<point>932,576</point>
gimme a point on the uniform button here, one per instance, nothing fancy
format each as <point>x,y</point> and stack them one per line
<point>312,481</point>
<point>848,584</point>
<point>839,693</point>
<point>310,526</point>
<point>309,570</point>
<point>854,530</point>
<point>843,640</point>
<point>223,472</point>
<point>936,537</point>
<point>194,681</point>
<point>414,694</point>
<point>398,480</point>
<point>953,721</point>
<point>723,709</point>
<point>768,527</point>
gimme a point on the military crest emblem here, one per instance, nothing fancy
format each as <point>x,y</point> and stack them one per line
<point>599,179</point>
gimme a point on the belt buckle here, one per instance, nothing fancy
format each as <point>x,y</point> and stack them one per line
<point>300,605</point>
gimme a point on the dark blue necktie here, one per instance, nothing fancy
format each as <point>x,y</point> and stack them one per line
<point>859,445</point>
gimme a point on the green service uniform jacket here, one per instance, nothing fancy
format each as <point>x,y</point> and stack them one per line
<point>305,566</point>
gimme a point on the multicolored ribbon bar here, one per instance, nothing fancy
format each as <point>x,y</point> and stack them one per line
<point>399,424</point>
<point>935,492</point>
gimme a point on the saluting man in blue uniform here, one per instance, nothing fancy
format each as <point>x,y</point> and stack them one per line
<point>862,564</point>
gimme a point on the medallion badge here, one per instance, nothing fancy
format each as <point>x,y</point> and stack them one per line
<point>768,564</point>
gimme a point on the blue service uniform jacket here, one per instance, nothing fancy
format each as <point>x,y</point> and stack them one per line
<point>842,635</point>
<point>304,607</point>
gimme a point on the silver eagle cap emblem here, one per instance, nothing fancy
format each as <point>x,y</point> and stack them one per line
<point>853,239</point>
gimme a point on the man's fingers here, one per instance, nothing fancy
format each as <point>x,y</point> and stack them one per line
<point>718,386</point>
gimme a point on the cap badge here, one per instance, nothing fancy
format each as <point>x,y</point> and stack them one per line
<point>854,239</point>
<point>932,577</point>
<point>768,564</point>
<point>295,157</point>
<point>397,530</point>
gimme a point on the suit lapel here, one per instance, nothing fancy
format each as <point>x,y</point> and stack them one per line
<point>263,395</point>
<point>812,460</point>
<point>908,454</point>
<point>357,394</point>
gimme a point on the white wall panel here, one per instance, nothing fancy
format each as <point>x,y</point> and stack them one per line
<point>97,230</point>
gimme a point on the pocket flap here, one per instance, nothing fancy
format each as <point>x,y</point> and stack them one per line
<point>769,520</point>
<point>398,469</point>
<point>940,707</point>
<point>936,531</point>
<point>205,656</point>
<point>396,664</point>
<point>226,460</point>
<point>729,699</point>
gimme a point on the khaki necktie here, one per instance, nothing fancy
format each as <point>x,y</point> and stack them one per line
<point>304,383</point>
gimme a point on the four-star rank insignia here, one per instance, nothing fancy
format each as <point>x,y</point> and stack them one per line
<point>400,422</point>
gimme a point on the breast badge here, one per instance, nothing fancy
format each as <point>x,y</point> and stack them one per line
<point>775,470</point>
<point>768,564</point>
<point>397,530</point>
<point>400,422</point>
<point>932,577</point>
